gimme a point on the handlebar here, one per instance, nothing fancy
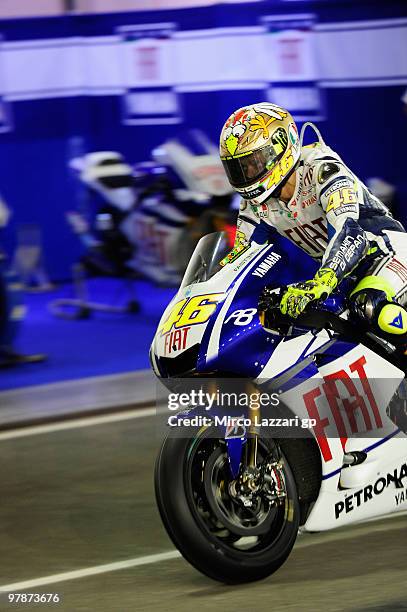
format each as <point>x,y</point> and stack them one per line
<point>314,315</point>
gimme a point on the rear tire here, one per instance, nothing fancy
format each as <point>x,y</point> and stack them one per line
<point>212,546</point>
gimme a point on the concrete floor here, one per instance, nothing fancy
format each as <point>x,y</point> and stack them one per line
<point>83,497</point>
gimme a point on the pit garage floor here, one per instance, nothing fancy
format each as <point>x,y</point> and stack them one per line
<point>78,518</point>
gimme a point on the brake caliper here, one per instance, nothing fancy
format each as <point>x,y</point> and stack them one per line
<point>265,481</point>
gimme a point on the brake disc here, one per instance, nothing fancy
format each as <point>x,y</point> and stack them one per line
<point>229,511</point>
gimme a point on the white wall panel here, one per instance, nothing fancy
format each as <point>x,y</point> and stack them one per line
<point>224,55</point>
<point>107,6</point>
<point>46,68</point>
<point>103,64</point>
<point>30,8</point>
<point>205,60</point>
<point>363,53</point>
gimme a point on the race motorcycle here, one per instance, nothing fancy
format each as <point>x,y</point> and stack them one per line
<point>234,494</point>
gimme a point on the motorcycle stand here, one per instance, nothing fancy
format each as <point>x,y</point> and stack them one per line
<point>81,306</point>
<point>10,358</point>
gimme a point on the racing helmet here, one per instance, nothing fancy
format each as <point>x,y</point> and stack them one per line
<point>259,149</point>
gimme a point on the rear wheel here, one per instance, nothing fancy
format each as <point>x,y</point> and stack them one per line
<point>230,533</point>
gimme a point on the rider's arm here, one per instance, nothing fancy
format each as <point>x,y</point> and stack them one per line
<point>339,196</point>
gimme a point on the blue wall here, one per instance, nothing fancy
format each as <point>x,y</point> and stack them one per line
<point>365,125</point>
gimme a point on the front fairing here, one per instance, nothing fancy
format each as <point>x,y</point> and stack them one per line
<point>236,342</point>
<point>223,334</point>
<point>212,326</point>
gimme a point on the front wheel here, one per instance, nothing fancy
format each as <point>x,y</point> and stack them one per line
<point>220,533</point>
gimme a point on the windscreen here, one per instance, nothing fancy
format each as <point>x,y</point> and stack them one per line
<point>205,261</point>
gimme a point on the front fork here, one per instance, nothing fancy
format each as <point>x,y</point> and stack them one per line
<point>250,479</point>
<point>248,442</point>
<point>252,439</point>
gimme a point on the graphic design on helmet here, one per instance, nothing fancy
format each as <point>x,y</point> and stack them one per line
<point>260,123</point>
<point>259,148</point>
<point>279,140</point>
<point>234,130</point>
<point>232,136</point>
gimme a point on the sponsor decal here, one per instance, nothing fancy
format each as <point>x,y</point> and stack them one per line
<point>279,140</point>
<point>176,340</point>
<point>266,264</point>
<point>354,500</point>
<point>241,245</point>
<point>400,498</point>
<point>311,237</point>
<point>289,214</point>
<point>234,254</point>
<point>398,268</point>
<point>242,317</point>
<point>261,211</point>
<point>309,202</point>
<point>392,319</point>
<point>342,183</point>
<point>346,252</point>
<point>343,412</point>
<point>244,261</point>
<point>250,195</point>
<point>293,135</point>
<point>397,321</point>
<point>308,177</point>
<point>350,208</point>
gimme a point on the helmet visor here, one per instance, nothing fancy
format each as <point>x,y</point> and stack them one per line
<point>247,169</point>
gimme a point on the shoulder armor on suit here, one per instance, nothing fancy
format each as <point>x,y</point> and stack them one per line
<point>327,170</point>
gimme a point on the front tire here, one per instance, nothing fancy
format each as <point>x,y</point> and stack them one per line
<point>224,542</point>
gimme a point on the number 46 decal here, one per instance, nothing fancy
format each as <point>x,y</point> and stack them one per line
<point>340,198</point>
<point>191,311</point>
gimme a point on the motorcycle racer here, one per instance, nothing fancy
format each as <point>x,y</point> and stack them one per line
<point>308,195</point>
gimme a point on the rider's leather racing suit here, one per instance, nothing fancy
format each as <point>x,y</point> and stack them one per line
<point>335,219</point>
